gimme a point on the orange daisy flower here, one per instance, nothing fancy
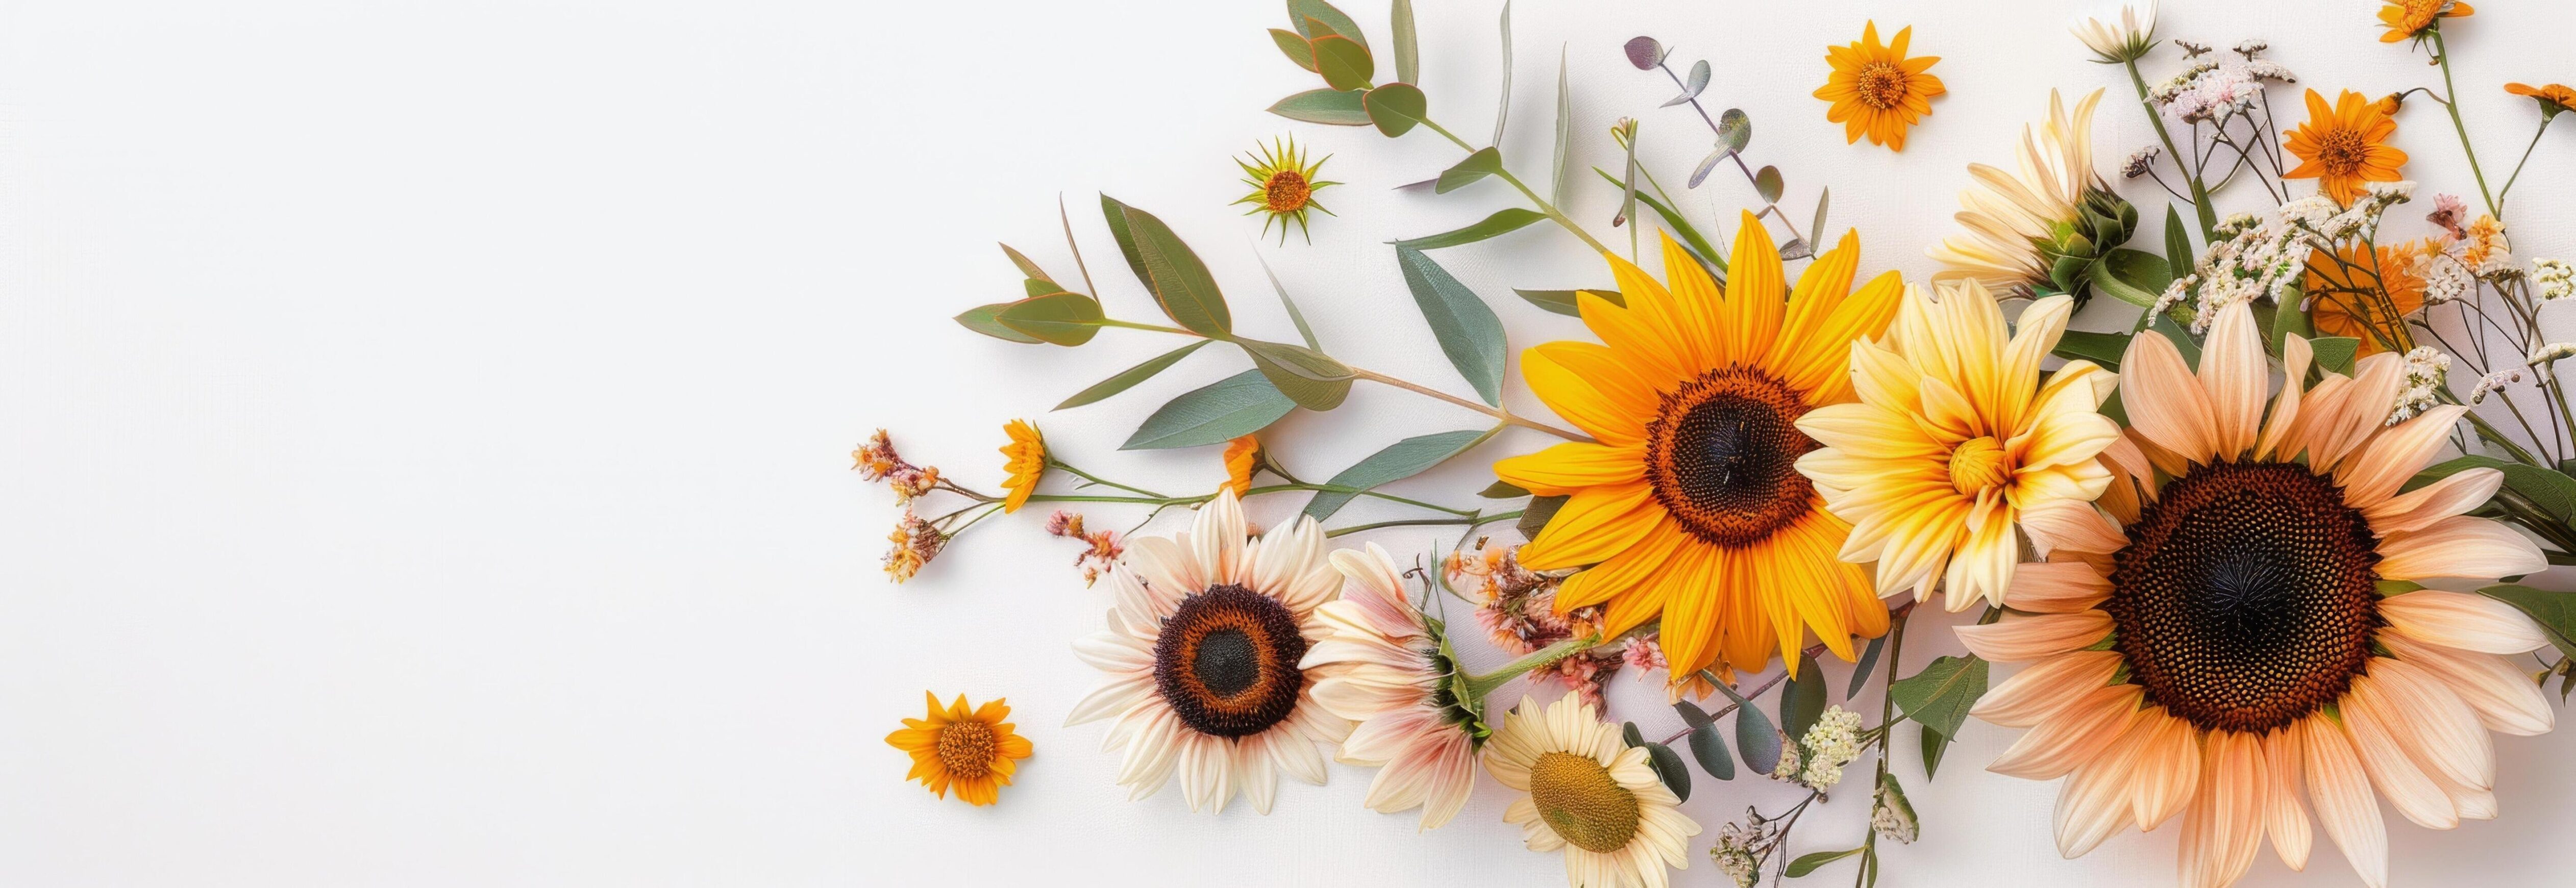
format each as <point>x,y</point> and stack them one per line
<point>1025,460</point>
<point>973,751</point>
<point>2553,98</point>
<point>2348,301</point>
<point>2345,145</point>
<point>2410,18</point>
<point>1876,90</point>
<point>1242,456</point>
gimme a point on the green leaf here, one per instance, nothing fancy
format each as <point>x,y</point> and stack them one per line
<point>2334,354</point>
<point>1468,331</point>
<point>1534,517</point>
<point>1397,461</point>
<point>1128,378</point>
<point>1668,766</point>
<point>1179,281</point>
<point>1691,90</point>
<point>2100,348</point>
<point>1699,246</point>
<point>2136,277</point>
<point>1332,20</point>
<point>1560,169</point>
<point>1755,738</point>
<point>986,319</point>
<point>1504,221</point>
<point>1294,316</point>
<point>1026,267</point>
<point>1807,863</point>
<point>1502,490</point>
<point>1868,661</point>
<point>2179,259</point>
<point>1816,229</point>
<point>1804,700</point>
<point>1692,715</point>
<point>1939,696</point>
<point>2288,320</point>
<point>1036,287</point>
<point>1734,131</point>
<point>1294,46</point>
<point>1503,110</point>
<point>1222,411</point>
<point>2181,339</point>
<point>1563,301</point>
<point>1309,377</point>
<point>1396,108</point>
<point>1709,748</point>
<point>1344,63</point>
<point>1326,106</point>
<point>1060,318</point>
<point>1408,52</point>
<point>1485,162</point>
<point>1628,734</point>
<point>1934,744</point>
<point>1767,184</point>
<point>1628,183</point>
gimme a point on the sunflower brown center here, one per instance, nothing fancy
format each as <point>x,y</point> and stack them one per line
<point>2245,598</point>
<point>966,749</point>
<point>1722,453</point>
<point>1227,661</point>
<point>1977,465</point>
<point>2342,150</point>
<point>1581,801</point>
<point>1881,85</point>
<point>1286,192</point>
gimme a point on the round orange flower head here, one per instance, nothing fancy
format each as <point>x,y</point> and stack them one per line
<point>2345,145</point>
<point>2244,617</point>
<point>1877,91</point>
<point>971,750</point>
<point>2553,98</point>
<point>1690,508</point>
<point>2349,303</point>
<point>1026,462</point>
<point>2411,18</point>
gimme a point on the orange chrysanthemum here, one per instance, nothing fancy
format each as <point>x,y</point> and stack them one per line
<point>1690,506</point>
<point>1027,460</point>
<point>2553,98</point>
<point>2345,145</point>
<point>1242,455</point>
<point>2410,18</point>
<point>973,751</point>
<point>2349,302</point>
<point>1876,90</point>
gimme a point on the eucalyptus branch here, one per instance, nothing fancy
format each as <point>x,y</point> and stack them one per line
<point>2199,192</point>
<point>1548,209</point>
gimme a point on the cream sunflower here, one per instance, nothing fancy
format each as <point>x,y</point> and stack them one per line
<point>1588,794</point>
<point>1400,683</point>
<point>2057,213</point>
<point>1202,651</point>
<point>1690,506</point>
<point>2244,621</point>
<point>1954,439</point>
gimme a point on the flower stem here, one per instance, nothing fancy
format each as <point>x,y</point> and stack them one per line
<point>1495,412</point>
<point>1542,204</point>
<point>1478,686</point>
<point>1471,521</point>
<point>2199,191</point>
<point>2451,103</point>
<point>2526,159</point>
<point>1095,479</point>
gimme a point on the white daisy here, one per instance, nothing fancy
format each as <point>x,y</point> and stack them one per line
<point>1400,683</point>
<point>1589,795</point>
<point>1202,651</point>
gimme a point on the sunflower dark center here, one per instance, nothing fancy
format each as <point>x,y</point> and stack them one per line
<point>2245,598</point>
<point>1227,661</point>
<point>2342,150</point>
<point>1722,456</point>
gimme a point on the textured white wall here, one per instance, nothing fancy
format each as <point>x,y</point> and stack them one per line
<point>426,421</point>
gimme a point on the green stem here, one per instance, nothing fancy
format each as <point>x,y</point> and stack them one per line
<point>2451,102</point>
<point>1131,325</point>
<point>2526,158</point>
<point>1095,479</point>
<point>1471,521</point>
<point>1540,202</point>
<point>2199,191</point>
<point>1495,412</point>
<point>1478,686</point>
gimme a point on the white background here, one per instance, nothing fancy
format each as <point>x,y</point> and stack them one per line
<point>424,456</point>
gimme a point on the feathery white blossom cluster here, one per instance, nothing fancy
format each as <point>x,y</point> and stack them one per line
<point>2262,257</point>
<point>1832,742</point>
<point>1891,816</point>
<point>2554,279</point>
<point>2493,383</point>
<point>2210,92</point>
<point>2427,370</point>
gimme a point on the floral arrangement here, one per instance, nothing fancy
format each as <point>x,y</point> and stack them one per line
<point>2255,554</point>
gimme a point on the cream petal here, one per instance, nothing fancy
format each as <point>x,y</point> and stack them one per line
<point>2166,404</point>
<point>2285,819</point>
<point>1164,566</point>
<point>2440,729</point>
<point>2234,372</point>
<point>2463,621</point>
<point>2391,769</point>
<point>2417,509</point>
<point>2346,808</point>
<point>2359,410</point>
<point>2168,770</point>
<point>1112,652</point>
<point>2072,737</point>
<point>2506,700</point>
<point>2295,356</point>
<point>1109,699</point>
<point>2459,546</point>
<point>2093,803</point>
<point>2056,587</point>
<point>1255,772</point>
<point>1218,536</point>
<point>2046,689</point>
<point>2023,639</point>
<point>2396,454</point>
<point>2072,526</point>
<point>2223,826</point>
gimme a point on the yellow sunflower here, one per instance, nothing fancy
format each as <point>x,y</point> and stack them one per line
<point>2344,145</point>
<point>973,751</point>
<point>1026,455</point>
<point>1690,506</point>
<point>1876,90</point>
<point>2410,18</point>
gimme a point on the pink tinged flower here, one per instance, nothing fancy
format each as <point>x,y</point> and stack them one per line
<point>1384,668</point>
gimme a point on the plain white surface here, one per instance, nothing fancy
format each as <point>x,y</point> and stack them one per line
<point>425,455</point>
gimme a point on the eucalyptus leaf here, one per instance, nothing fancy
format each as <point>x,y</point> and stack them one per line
<point>1534,517</point>
<point>1326,106</point>
<point>1691,90</point>
<point>1560,171</point>
<point>2334,354</point>
<point>1128,378</point>
<point>1816,229</point>
<point>1668,766</point>
<point>1709,748</point>
<point>985,319</point>
<point>1408,52</point>
<point>1344,63</point>
<point>1221,411</point>
<point>1036,287</point>
<point>1484,162</point>
<point>1059,318</point>
<point>1502,490</point>
<point>1503,107</point>
<point>1803,701</point>
<point>1940,695</point>
<point>1396,108</point>
<point>1797,248</point>
<point>1628,184</point>
<point>2554,611</point>
<point>1026,266</point>
<point>2104,349</point>
<point>1395,462</point>
<point>1708,164</point>
<point>1734,130</point>
<point>1333,20</point>
<point>1868,661</point>
<point>1294,46</point>
<point>1807,863</point>
<point>1503,221</point>
<point>1179,281</point>
<point>1563,301</point>
<point>1755,739</point>
<point>1644,53</point>
<point>1294,316</point>
<point>1767,184</point>
<point>1466,327</point>
<point>1309,377</point>
<point>1628,734</point>
<point>1692,715</point>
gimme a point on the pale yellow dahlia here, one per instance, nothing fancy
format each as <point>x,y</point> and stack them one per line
<point>2244,621</point>
<point>1390,671</point>
<point>1955,438</point>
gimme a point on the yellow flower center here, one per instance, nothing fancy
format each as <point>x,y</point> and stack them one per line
<point>1881,85</point>
<point>2342,150</point>
<point>1582,803</point>
<point>1977,466</point>
<point>1286,192</point>
<point>966,749</point>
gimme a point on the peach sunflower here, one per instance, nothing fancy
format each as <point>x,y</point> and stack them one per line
<point>2344,145</point>
<point>1877,91</point>
<point>2244,621</point>
<point>1690,506</point>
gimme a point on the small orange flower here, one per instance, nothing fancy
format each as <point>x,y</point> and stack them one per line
<point>1027,461</point>
<point>1242,455</point>
<point>2390,103</point>
<point>2553,98</point>
<point>1876,90</point>
<point>973,751</point>
<point>2410,18</point>
<point>2345,145</point>
<point>2348,303</point>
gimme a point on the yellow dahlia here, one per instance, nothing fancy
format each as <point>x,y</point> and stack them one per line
<point>1875,90</point>
<point>1026,461</point>
<point>2244,620</point>
<point>1589,795</point>
<point>2344,145</point>
<point>1690,507</point>
<point>972,750</point>
<point>2410,18</point>
<point>1955,439</point>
